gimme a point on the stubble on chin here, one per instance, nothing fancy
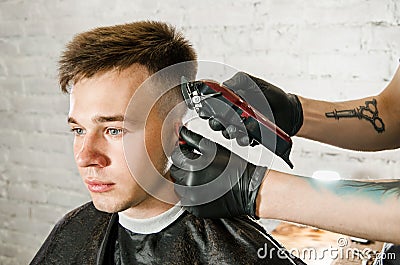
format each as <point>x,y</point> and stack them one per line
<point>112,205</point>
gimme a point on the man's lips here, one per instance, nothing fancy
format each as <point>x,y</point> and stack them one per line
<point>99,186</point>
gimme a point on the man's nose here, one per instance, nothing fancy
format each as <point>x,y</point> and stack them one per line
<point>91,152</point>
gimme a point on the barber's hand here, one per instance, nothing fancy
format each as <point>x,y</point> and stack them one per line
<point>286,108</point>
<point>240,178</point>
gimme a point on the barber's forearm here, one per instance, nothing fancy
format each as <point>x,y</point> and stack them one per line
<point>352,132</point>
<point>343,207</point>
<point>349,132</point>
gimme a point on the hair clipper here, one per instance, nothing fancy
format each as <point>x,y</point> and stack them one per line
<point>270,135</point>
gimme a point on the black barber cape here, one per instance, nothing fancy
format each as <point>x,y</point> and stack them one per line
<point>88,236</point>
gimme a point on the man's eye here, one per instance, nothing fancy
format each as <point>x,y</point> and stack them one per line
<point>78,131</point>
<point>114,131</point>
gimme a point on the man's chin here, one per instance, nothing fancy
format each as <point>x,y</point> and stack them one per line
<point>109,207</point>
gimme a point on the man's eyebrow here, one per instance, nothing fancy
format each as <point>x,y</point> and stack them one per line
<point>71,120</point>
<point>100,119</point>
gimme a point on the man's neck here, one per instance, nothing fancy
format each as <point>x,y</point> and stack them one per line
<point>151,206</point>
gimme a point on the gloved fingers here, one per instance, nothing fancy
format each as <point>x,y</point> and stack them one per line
<point>231,132</point>
<point>206,112</point>
<point>260,84</point>
<point>208,149</point>
<point>252,125</point>
<point>182,155</point>
<point>212,107</point>
<point>187,151</point>
<point>176,174</point>
<point>179,186</point>
<point>239,81</point>
<point>243,140</point>
<point>243,136</point>
<point>216,124</point>
<point>185,162</point>
<point>191,138</point>
<point>195,140</point>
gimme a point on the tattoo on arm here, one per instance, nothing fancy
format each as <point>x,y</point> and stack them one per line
<point>377,191</point>
<point>368,112</point>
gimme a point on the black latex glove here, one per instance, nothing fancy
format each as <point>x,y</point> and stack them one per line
<point>284,109</point>
<point>241,179</point>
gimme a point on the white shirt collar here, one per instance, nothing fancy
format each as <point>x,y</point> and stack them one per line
<point>153,224</point>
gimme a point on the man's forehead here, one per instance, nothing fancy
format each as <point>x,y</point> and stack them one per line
<point>113,86</point>
<point>136,74</point>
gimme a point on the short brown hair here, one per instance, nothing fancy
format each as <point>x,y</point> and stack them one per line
<point>153,44</point>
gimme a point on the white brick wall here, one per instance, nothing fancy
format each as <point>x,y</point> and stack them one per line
<point>331,49</point>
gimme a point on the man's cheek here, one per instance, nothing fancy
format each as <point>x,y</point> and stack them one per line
<point>116,151</point>
<point>76,149</point>
<point>134,151</point>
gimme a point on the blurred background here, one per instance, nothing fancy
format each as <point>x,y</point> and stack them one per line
<point>332,50</point>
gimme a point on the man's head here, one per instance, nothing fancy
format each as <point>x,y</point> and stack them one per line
<point>102,69</point>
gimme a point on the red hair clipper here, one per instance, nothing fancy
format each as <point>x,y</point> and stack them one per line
<point>269,135</point>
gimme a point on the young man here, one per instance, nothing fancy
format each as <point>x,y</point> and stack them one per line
<point>101,70</point>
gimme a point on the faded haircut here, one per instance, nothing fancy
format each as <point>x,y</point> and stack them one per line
<point>153,44</point>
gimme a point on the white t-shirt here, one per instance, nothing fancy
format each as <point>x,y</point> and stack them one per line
<point>153,224</point>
